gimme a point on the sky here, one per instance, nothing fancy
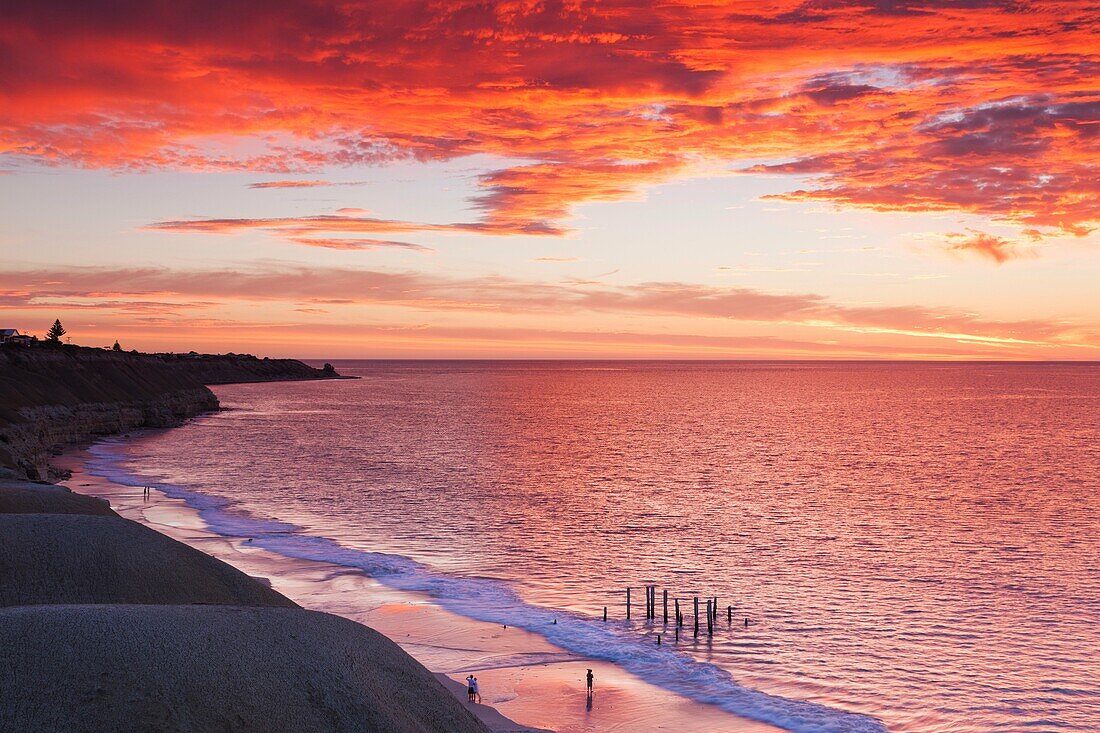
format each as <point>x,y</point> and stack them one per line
<point>779,179</point>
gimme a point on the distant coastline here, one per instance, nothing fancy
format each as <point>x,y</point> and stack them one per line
<point>54,396</point>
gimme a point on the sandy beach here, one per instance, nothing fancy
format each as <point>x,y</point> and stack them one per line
<point>526,683</point>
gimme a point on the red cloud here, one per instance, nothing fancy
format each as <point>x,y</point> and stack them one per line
<point>977,106</point>
<point>985,245</point>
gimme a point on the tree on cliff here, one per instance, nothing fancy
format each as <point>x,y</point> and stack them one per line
<point>56,331</point>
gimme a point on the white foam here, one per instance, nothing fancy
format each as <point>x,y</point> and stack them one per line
<point>494,601</point>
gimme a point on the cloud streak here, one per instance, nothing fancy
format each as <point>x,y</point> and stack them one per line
<point>357,244</point>
<point>302,183</point>
<point>313,287</point>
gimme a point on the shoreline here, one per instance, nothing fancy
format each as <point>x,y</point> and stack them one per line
<point>528,684</point>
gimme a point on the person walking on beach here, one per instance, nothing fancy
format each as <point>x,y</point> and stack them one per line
<point>477,693</point>
<point>471,687</point>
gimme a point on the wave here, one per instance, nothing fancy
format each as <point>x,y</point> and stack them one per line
<point>496,602</point>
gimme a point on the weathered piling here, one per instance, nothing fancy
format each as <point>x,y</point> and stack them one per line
<point>729,614</point>
<point>665,604</point>
<point>696,601</point>
<point>605,613</point>
<point>710,617</point>
<point>679,618</point>
<point>628,604</point>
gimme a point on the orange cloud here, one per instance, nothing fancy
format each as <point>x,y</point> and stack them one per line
<point>933,105</point>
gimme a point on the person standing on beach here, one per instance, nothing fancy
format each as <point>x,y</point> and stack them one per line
<point>471,687</point>
<point>477,693</point>
<point>588,679</point>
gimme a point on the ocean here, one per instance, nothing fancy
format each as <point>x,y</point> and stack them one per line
<point>914,545</point>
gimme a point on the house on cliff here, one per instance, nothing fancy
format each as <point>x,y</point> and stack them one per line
<point>12,336</point>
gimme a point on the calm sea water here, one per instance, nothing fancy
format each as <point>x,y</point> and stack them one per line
<point>915,545</point>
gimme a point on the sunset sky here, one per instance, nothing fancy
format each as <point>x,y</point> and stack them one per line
<point>770,179</point>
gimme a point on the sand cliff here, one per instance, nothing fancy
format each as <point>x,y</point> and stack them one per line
<point>109,625</point>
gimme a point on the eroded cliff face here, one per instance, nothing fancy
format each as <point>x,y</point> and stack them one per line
<point>51,397</point>
<point>43,431</point>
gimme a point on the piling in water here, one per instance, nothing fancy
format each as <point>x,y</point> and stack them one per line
<point>710,618</point>
<point>627,604</point>
<point>696,601</point>
<point>605,613</point>
<point>665,604</point>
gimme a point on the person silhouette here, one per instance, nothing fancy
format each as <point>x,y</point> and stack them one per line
<point>471,688</point>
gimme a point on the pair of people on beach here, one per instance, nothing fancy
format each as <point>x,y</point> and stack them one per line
<point>471,689</point>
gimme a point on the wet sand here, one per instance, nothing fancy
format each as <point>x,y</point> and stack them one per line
<point>526,682</point>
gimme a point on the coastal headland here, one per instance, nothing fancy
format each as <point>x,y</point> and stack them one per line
<point>62,395</point>
<point>108,625</point>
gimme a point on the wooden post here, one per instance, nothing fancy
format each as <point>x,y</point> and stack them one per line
<point>729,614</point>
<point>653,601</point>
<point>715,610</point>
<point>679,620</point>
<point>710,610</point>
<point>665,603</point>
<point>658,640</point>
<point>605,613</point>
<point>696,615</point>
<point>627,604</point>
<point>677,633</point>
